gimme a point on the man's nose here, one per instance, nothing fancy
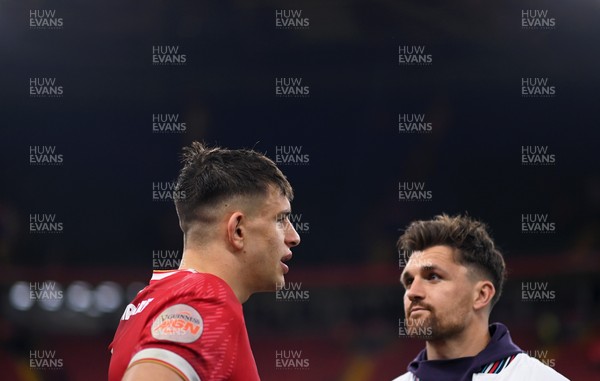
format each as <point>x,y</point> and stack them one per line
<point>416,290</point>
<point>292,237</point>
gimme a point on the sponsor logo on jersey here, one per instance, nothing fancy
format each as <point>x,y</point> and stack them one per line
<point>179,323</point>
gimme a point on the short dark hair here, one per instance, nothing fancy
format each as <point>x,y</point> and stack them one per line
<point>470,239</point>
<point>213,174</point>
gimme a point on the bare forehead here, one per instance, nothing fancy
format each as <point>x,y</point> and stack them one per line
<point>436,256</point>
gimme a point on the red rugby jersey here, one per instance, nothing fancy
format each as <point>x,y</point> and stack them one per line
<point>189,321</point>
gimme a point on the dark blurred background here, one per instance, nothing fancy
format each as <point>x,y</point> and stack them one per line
<point>83,159</point>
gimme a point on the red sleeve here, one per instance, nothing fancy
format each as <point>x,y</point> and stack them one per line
<point>197,337</point>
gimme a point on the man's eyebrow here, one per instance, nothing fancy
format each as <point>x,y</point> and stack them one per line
<point>425,267</point>
<point>431,267</point>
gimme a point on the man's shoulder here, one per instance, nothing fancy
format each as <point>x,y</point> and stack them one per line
<point>405,377</point>
<point>191,284</point>
<point>539,369</point>
<point>526,368</point>
<point>204,292</point>
<point>523,367</point>
<point>162,277</point>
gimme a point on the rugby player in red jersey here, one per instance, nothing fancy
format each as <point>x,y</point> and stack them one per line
<point>188,324</point>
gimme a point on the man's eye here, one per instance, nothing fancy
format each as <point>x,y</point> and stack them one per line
<point>433,276</point>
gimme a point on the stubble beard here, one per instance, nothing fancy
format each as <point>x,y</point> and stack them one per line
<point>431,328</point>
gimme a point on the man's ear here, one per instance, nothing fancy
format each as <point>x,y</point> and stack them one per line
<point>484,292</point>
<point>235,230</point>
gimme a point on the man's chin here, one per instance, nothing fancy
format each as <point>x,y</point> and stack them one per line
<point>419,328</point>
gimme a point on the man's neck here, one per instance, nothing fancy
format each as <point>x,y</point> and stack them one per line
<point>211,261</point>
<point>468,343</point>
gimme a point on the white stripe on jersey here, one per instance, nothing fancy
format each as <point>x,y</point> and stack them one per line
<point>170,358</point>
